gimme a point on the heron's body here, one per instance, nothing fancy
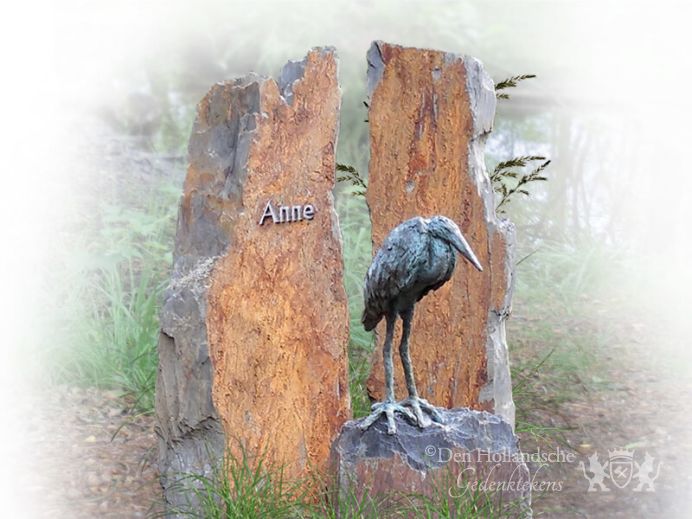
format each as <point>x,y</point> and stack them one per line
<point>410,263</point>
<point>417,256</point>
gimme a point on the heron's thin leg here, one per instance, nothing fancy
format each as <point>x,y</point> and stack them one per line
<point>414,401</point>
<point>407,317</point>
<point>388,407</point>
<point>388,364</point>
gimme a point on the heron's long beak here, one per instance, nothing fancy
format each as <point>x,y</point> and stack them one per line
<point>460,244</point>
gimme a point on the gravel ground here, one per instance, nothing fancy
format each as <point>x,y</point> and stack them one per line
<point>93,457</point>
<point>640,403</point>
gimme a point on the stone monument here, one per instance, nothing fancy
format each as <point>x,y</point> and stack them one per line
<point>430,113</point>
<point>254,326</point>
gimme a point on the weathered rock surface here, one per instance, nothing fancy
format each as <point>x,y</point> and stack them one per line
<point>430,113</point>
<point>254,326</point>
<point>473,453</point>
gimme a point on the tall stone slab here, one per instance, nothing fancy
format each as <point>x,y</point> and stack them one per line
<point>430,113</point>
<point>254,326</point>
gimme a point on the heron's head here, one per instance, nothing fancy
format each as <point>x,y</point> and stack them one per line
<point>445,229</point>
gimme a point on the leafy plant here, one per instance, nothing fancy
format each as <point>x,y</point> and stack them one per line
<point>510,82</point>
<point>507,182</point>
<point>504,171</point>
<point>350,174</point>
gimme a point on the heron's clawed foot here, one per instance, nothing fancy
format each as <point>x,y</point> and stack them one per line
<point>387,407</point>
<point>419,405</point>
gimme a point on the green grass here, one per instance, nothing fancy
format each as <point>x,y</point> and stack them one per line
<point>108,287</point>
<point>456,497</point>
<point>555,338</point>
<point>112,344</point>
<point>355,228</point>
<point>242,487</point>
<point>560,275</point>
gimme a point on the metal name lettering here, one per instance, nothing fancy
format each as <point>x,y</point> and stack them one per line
<point>287,213</point>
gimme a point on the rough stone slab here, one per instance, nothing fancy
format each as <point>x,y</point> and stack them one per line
<point>474,451</point>
<point>254,326</point>
<point>430,113</point>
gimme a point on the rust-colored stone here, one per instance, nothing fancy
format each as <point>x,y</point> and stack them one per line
<point>277,318</point>
<point>429,114</point>
<point>255,322</point>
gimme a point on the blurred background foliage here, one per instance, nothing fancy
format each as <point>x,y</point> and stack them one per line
<point>133,134</point>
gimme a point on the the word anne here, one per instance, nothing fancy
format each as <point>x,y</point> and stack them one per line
<point>287,213</point>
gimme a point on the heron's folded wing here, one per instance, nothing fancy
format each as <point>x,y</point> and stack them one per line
<point>396,267</point>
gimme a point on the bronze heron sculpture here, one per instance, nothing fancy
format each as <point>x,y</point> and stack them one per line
<point>417,256</point>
